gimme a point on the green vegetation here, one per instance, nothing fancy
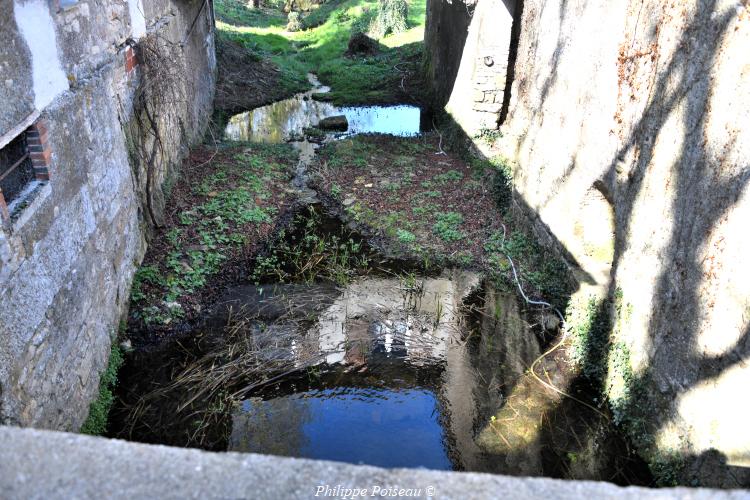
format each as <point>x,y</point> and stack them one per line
<point>488,135</point>
<point>321,43</point>
<point>390,18</point>
<point>590,327</point>
<point>230,204</point>
<point>447,226</point>
<point>96,422</point>
<point>547,274</point>
<point>405,236</point>
<point>606,362</point>
<point>309,253</point>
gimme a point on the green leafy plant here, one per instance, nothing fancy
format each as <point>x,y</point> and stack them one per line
<point>98,417</point>
<point>405,236</point>
<point>447,226</point>
<point>449,176</point>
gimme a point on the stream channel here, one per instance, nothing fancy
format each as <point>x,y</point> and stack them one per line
<point>396,368</point>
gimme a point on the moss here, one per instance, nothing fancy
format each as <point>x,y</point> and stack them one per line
<point>594,324</point>
<point>589,324</point>
<point>97,420</point>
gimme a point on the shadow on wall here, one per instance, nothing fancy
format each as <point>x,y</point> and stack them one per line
<point>676,318</point>
<point>675,367</point>
<point>703,196</point>
<point>446,29</point>
<point>515,7</point>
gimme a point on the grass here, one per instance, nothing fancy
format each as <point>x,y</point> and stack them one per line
<point>398,189</point>
<point>98,417</point>
<point>320,48</point>
<point>311,252</point>
<point>447,226</point>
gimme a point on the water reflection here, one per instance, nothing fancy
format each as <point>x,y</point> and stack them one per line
<point>285,120</point>
<point>348,424</point>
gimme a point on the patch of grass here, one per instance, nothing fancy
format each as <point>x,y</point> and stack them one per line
<point>98,417</point>
<point>449,176</point>
<point>330,9</point>
<point>405,236</point>
<point>321,45</point>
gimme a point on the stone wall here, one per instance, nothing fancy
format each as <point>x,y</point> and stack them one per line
<point>69,250</point>
<point>468,55</point>
<point>627,125</point>
<point>50,465</point>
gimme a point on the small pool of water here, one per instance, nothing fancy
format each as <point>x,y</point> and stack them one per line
<point>394,369</point>
<point>284,120</point>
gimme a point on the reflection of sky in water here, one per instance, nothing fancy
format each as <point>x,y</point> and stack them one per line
<point>384,427</point>
<point>277,121</point>
<point>394,120</point>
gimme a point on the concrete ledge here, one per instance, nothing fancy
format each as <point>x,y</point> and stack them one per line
<point>48,465</point>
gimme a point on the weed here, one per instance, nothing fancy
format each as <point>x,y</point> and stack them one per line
<point>210,232</point>
<point>405,236</point>
<point>311,253</point>
<point>98,417</point>
<point>449,176</point>
<point>488,135</point>
<point>447,226</point>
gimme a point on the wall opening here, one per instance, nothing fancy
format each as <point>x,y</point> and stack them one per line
<point>24,163</point>
<point>16,169</point>
<point>515,36</point>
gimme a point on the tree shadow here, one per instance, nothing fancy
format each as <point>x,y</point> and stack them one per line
<point>675,365</point>
<point>702,198</point>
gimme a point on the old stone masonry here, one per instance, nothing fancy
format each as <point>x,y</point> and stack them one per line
<point>76,191</point>
<point>627,126</point>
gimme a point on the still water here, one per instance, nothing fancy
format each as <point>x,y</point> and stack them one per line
<point>284,120</point>
<point>346,424</point>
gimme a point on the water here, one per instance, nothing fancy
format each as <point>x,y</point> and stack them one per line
<point>283,121</point>
<point>346,424</point>
<point>393,370</point>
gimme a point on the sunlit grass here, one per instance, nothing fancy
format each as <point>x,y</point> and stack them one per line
<point>321,48</point>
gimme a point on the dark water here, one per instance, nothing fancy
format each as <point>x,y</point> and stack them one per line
<point>367,374</point>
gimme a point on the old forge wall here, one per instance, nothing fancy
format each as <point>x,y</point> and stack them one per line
<point>627,122</point>
<point>76,80</point>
